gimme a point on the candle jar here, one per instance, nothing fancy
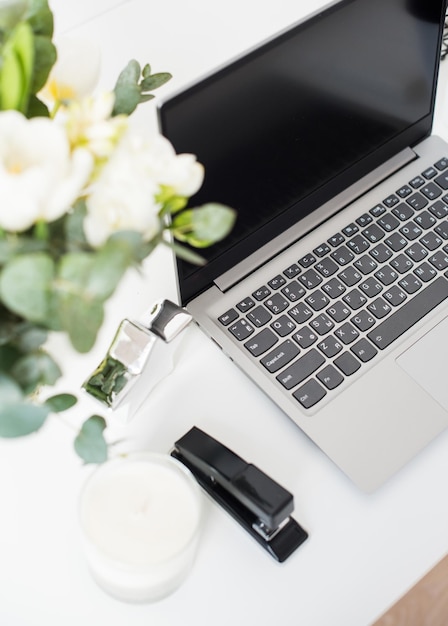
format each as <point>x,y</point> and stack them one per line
<point>140,518</point>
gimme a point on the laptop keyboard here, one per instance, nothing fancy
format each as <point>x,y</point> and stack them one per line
<point>336,308</point>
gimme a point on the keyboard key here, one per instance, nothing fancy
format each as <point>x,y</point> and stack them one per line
<point>277,282</point>
<point>259,316</point>
<point>334,288</point>
<point>386,275</point>
<point>292,270</point>
<point>425,272</point>
<point>300,313</point>
<point>379,308</point>
<point>358,244</point>
<point>307,260</point>
<point>276,303</point>
<point>318,300</point>
<point>439,210</point>
<point>381,253</point>
<point>431,241</point>
<point>410,313</point>
<point>377,210</point>
<point>347,363</point>
<point>417,252</point>
<point>364,350</point>
<point>404,191</point>
<point>396,242</point>
<point>388,222</point>
<point>364,220</point>
<point>310,279</point>
<point>336,240</point>
<point>403,211</point>
<point>442,229</point>
<point>391,201</point>
<point>322,250</point>
<point>410,284</point>
<point>442,180</point>
<point>281,356</point>
<point>371,287</point>
<point>350,276</point>
<point>245,305</point>
<point>363,320</point>
<point>395,295</point>
<point>261,293</point>
<point>330,377</point>
<point>417,182</point>
<point>431,191</point>
<point>241,329</point>
<point>373,233</point>
<point>350,230</point>
<point>283,325</point>
<point>261,342</point>
<point>355,299</point>
<point>425,220</point>
<point>339,311</point>
<point>417,201</point>
<point>442,164</point>
<point>402,264</point>
<point>330,346</point>
<point>326,267</point>
<point>342,255</point>
<point>365,264</point>
<point>305,337</point>
<point>309,394</point>
<point>430,172</point>
<point>347,333</point>
<point>293,291</point>
<point>228,317</point>
<point>301,369</point>
<point>322,324</point>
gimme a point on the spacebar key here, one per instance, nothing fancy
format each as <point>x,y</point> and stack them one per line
<point>409,314</point>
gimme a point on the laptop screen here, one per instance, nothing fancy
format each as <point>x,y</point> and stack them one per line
<point>287,126</point>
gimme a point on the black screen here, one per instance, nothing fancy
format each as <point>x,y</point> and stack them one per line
<point>287,126</point>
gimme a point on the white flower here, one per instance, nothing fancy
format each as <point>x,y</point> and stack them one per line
<point>181,172</point>
<point>123,198</point>
<point>39,177</point>
<point>124,195</point>
<point>90,125</point>
<point>76,71</point>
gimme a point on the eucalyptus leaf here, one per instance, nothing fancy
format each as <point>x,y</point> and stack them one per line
<point>17,420</point>
<point>186,254</point>
<point>126,90</point>
<point>35,369</point>
<point>45,55</point>
<point>25,285</point>
<point>40,17</point>
<point>81,319</point>
<point>154,81</point>
<point>203,226</point>
<point>90,444</point>
<point>61,402</point>
<point>9,355</point>
<point>10,391</point>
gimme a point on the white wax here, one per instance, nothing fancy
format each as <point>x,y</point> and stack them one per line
<point>140,516</point>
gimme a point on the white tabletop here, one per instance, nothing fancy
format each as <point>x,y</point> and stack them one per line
<point>363,551</point>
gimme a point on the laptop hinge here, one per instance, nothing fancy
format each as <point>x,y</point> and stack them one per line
<point>230,278</point>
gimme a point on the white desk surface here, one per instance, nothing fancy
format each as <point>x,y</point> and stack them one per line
<point>363,551</point>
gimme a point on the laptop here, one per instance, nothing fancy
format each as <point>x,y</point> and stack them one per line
<point>331,292</point>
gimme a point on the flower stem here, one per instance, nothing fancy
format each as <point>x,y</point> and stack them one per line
<point>41,230</point>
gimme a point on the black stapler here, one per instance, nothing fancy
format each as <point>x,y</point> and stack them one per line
<point>258,503</point>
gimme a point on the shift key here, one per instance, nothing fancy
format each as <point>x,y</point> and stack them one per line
<point>301,369</point>
<point>409,314</point>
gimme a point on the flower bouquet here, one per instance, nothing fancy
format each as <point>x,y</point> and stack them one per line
<point>82,199</point>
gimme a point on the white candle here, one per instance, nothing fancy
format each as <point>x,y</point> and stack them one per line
<point>140,516</point>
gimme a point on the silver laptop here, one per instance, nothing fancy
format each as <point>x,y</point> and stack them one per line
<point>331,293</point>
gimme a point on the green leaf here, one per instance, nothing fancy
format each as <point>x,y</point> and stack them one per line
<point>11,14</point>
<point>45,57</point>
<point>127,91</point>
<point>90,444</point>
<point>18,420</point>
<point>154,81</point>
<point>25,286</point>
<point>16,68</point>
<point>203,226</point>
<point>186,254</point>
<point>31,338</point>
<point>8,356</point>
<point>40,17</point>
<point>61,402</point>
<point>35,369</point>
<point>10,392</point>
